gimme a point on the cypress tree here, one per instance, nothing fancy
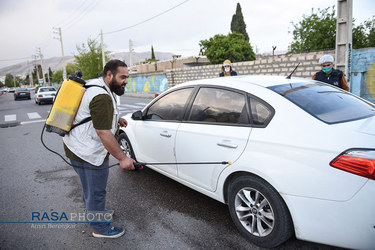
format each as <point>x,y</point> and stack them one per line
<point>152,53</point>
<point>238,24</point>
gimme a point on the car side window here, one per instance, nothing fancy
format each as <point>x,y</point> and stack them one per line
<point>170,106</point>
<point>214,105</point>
<point>261,113</point>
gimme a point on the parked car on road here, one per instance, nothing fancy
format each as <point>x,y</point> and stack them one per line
<point>288,156</point>
<point>22,93</point>
<point>45,94</point>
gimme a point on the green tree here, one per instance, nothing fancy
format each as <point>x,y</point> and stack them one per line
<point>233,47</point>
<point>318,31</point>
<point>71,68</point>
<point>28,80</point>
<point>152,59</point>
<point>152,53</point>
<point>238,24</point>
<point>36,75</point>
<point>315,32</point>
<point>9,80</point>
<point>89,59</point>
<point>370,31</point>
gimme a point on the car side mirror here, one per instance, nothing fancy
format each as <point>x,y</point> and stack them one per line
<point>138,116</point>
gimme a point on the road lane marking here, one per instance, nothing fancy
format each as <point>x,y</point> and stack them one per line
<point>35,121</point>
<point>33,115</point>
<point>10,118</point>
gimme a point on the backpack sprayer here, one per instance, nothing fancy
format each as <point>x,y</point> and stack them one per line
<point>66,105</point>
<point>64,110</point>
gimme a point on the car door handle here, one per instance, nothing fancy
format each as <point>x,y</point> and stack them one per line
<point>165,134</point>
<point>227,144</point>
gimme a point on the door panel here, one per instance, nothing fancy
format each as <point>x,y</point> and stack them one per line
<point>208,143</point>
<point>156,143</point>
<point>217,130</point>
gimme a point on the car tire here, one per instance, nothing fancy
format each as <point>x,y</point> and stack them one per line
<point>126,146</point>
<point>259,212</point>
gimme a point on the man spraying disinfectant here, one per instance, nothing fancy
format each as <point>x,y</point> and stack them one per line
<point>89,144</point>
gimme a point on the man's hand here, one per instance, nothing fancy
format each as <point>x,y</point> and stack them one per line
<point>114,149</point>
<point>127,164</point>
<point>122,122</point>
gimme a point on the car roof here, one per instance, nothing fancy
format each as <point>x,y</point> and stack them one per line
<point>241,81</point>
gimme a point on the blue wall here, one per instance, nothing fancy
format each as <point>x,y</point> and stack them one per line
<point>363,73</point>
<point>147,84</point>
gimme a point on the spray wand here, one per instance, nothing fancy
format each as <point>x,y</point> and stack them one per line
<point>140,165</point>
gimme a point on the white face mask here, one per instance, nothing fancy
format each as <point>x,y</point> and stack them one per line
<point>227,69</point>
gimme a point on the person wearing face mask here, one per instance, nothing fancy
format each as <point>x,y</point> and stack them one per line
<point>89,144</point>
<point>330,75</point>
<point>227,69</point>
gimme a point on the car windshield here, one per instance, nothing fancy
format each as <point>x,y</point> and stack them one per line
<point>46,89</point>
<point>328,104</point>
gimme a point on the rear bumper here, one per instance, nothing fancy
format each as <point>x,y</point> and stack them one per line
<point>45,99</point>
<point>349,224</point>
<point>22,96</point>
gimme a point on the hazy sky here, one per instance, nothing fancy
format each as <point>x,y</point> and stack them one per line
<point>28,24</point>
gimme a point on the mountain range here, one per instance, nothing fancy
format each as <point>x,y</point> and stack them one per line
<point>55,63</point>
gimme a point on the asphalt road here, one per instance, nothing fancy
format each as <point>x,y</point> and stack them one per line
<point>158,213</point>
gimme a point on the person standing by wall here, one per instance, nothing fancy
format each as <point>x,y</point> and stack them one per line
<point>89,144</point>
<point>330,75</point>
<point>227,69</point>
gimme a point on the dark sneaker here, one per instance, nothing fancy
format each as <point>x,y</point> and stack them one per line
<point>113,232</point>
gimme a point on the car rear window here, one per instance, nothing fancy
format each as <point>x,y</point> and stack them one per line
<point>328,104</point>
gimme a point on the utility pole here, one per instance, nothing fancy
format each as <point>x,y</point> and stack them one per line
<point>41,64</point>
<point>30,75</point>
<point>103,58</point>
<point>102,42</point>
<point>130,53</point>
<point>58,32</point>
<point>344,37</point>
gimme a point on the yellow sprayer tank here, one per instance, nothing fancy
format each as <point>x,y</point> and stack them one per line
<point>66,106</point>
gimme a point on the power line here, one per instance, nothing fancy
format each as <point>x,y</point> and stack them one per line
<point>82,15</point>
<point>131,26</point>
<point>73,14</point>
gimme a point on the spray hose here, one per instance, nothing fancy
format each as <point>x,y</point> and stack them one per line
<point>137,165</point>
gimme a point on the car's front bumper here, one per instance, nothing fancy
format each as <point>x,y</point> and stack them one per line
<point>349,224</point>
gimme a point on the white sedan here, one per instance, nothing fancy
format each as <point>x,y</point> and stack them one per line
<point>288,156</point>
<point>45,94</point>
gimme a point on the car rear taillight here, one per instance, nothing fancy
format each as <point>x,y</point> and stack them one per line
<point>356,161</point>
<point>40,95</point>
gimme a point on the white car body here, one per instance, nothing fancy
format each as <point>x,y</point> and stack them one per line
<point>292,153</point>
<point>45,94</point>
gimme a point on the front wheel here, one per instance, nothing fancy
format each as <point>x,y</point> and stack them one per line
<point>126,146</point>
<point>259,212</point>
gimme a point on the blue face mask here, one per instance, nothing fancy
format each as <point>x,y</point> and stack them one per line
<point>326,69</point>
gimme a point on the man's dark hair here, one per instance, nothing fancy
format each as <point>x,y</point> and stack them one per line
<point>112,65</point>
